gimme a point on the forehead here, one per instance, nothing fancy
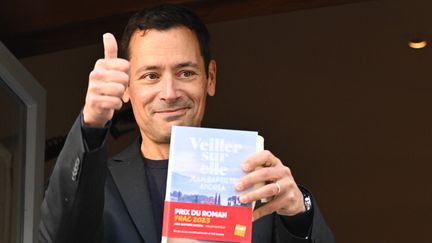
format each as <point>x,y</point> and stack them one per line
<point>171,44</point>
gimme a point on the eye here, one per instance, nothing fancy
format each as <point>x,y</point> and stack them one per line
<point>150,76</point>
<point>187,74</point>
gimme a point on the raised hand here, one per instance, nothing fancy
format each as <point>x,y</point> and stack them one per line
<point>108,82</point>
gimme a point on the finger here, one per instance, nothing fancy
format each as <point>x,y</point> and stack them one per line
<point>262,175</point>
<point>267,191</point>
<point>267,208</point>
<point>108,89</point>
<point>104,103</point>
<point>264,158</point>
<point>110,46</point>
<point>113,64</point>
<point>109,76</point>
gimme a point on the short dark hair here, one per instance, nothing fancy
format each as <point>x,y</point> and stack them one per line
<point>164,17</point>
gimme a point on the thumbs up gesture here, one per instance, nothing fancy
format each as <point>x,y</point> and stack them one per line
<point>108,83</point>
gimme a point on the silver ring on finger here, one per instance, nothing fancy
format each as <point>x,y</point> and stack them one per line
<point>278,188</point>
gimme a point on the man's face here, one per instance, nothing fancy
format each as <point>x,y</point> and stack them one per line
<point>168,84</point>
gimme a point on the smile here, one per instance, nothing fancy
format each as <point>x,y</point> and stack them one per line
<point>181,109</point>
<point>172,113</point>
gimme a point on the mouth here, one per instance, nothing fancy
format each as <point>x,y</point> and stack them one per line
<point>172,114</point>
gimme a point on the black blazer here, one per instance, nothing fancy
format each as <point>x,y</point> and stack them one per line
<point>91,198</point>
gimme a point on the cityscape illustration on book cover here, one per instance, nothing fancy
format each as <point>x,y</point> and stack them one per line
<point>201,203</point>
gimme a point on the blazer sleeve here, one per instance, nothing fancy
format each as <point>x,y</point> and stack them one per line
<point>72,209</point>
<point>320,231</point>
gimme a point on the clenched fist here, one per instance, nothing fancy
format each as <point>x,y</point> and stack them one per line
<point>107,85</point>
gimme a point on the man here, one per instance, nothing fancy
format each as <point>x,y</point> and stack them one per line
<point>167,74</point>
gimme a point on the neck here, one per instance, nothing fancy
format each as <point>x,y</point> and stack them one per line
<point>154,151</point>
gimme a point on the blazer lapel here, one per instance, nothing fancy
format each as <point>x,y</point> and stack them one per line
<point>128,172</point>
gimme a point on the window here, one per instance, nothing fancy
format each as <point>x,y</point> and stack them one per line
<point>22,134</point>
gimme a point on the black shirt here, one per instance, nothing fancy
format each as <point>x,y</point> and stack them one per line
<point>156,173</point>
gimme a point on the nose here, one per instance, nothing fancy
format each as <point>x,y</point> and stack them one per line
<point>169,90</point>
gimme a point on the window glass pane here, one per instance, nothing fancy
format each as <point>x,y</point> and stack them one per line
<point>12,144</point>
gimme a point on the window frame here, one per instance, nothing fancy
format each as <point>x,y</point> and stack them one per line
<point>33,96</point>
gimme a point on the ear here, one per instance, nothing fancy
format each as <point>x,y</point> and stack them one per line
<point>126,95</point>
<point>211,78</point>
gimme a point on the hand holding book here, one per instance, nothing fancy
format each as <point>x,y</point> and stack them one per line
<point>214,177</point>
<point>280,186</point>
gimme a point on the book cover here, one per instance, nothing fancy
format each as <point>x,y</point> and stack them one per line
<point>201,203</point>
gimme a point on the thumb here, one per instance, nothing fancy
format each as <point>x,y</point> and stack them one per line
<point>110,46</point>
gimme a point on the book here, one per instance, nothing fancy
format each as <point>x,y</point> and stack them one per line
<point>201,203</point>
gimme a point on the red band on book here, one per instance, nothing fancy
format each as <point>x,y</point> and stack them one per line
<point>207,222</point>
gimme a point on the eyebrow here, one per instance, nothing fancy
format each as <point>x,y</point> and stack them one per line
<point>146,68</point>
<point>180,65</point>
<point>187,64</point>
